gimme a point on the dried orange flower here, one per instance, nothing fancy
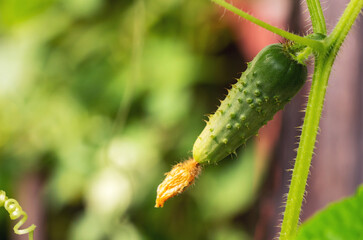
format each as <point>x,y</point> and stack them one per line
<point>177,180</point>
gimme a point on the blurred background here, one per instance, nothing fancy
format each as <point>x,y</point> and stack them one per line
<point>98,98</point>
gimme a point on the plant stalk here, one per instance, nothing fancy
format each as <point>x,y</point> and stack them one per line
<point>323,65</point>
<point>317,16</point>
<point>345,23</point>
<point>306,148</point>
<point>316,45</point>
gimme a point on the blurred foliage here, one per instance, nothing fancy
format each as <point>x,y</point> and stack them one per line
<point>100,98</point>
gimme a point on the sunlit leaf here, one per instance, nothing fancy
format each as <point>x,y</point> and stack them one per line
<point>339,221</point>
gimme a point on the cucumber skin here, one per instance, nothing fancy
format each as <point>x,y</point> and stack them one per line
<point>267,85</point>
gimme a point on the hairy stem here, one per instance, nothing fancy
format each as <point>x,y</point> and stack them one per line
<point>304,55</point>
<point>323,65</point>
<point>306,147</point>
<point>317,16</point>
<point>316,45</point>
<point>345,23</point>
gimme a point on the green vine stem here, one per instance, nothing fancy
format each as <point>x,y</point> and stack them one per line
<point>316,45</point>
<point>305,150</point>
<point>317,16</point>
<point>304,55</point>
<point>323,65</point>
<point>336,38</point>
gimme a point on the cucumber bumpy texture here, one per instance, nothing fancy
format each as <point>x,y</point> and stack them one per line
<point>268,84</point>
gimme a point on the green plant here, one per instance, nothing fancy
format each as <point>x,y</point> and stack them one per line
<point>15,211</point>
<point>270,81</point>
<point>340,220</point>
<point>324,47</point>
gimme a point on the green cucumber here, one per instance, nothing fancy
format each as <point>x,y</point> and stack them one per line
<point>268,84</point>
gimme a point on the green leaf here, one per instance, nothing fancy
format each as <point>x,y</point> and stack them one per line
<point>339,221</point>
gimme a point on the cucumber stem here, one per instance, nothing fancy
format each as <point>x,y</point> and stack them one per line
<point>304,55</point>
<point>339,33</point>
<point>316,45</point>
<point>306,148</point>
<point>323,66</point>
<point>317,16</point>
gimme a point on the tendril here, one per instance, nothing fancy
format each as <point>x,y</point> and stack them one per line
<point>15,211</point>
